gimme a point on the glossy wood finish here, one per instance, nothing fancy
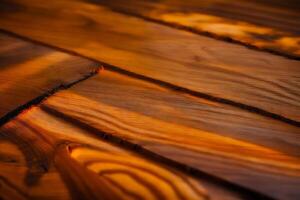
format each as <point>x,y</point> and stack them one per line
<point>201,64</point>
<point>172,114</point>
<point>272,25</point>
<point>46,157</point>
<point>223,141</point>
<point>281,15</point>
<point>28,70</point>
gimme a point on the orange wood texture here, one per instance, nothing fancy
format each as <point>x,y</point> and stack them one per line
<point>46,157</point>
<point>28,70</point>
<point>267,24</point>
<point>172,115</point>
<point>234,145</point>
<point>201,64</point>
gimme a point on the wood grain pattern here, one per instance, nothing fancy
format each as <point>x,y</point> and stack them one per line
<point>234,145</point>
<point>271,25</point>
<point>281,15</point>
<point>28,70</point>
<point>201,64</point>
<point>46,157</point>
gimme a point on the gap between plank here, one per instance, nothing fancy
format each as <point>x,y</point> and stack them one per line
<point>245,192</point>
<point>161,83</point>
<point>206,34</point>
<point>114,140</point>
<point>38,100</point>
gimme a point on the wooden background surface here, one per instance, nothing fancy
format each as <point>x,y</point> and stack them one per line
<point>149,99</point>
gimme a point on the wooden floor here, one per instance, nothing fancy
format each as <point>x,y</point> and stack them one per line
<point>143,99</point>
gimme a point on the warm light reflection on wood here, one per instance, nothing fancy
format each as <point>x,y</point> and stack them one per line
<point>50,152</point>
<point>215,138</point>
<point>195,101</point>
<point>135,127</point>
<point>183,59</point>
<point>28,70</point>
<point>260,36</point>
<point>37,66</point>
<point>131,175</point>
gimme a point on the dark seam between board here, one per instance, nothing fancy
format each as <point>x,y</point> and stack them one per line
<point>38,100</point>
<point>161,83</point>
<point>245,192</point>
<point>207,34</point>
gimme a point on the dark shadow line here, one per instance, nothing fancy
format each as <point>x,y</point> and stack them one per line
<point>202,95</point>
<point>208,34</point>
<point>245,192</point>
<point>167,85</point>
<point>38,100</point>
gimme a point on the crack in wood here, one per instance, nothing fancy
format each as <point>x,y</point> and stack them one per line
<point>39,99</point>
<point>208,34</point>
<point>246,193</point>
<point>165,84</point>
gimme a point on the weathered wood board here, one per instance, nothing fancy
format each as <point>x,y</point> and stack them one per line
<point>223,141</point>
<point>277,14</point>
<point>172,115</point>
<point>223,70</point>
<point>28,70</point>
<point>270,25</point>
<point>46,157</point>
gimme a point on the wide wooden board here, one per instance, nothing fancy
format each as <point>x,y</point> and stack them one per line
<point>223,70</point>
<point>277,14</point>
<point>28,70</point>
<point>46,157</point>
<point>240,147</point>
<point>270,25</point>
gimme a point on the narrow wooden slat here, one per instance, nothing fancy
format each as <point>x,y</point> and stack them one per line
<point>240,147</point>
<point>223,70</point>
<point>28,70</point>
<point>45,157</point>
<point>272,25</point>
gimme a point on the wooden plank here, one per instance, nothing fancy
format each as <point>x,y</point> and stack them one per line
<point>223,70</point>
<point>244,148</point>
<point>28,70</point>
<point>45,157</point>
<point>280,15</point>
<point>271,25</point>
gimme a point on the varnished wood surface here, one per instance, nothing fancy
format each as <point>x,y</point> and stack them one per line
<point>46,157</point>
<point>198,63</point>
<point>172,115</point>
<point>28,70</point>
<point>232,144</point>
<point>281,15</point>
<point>265,24</point>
